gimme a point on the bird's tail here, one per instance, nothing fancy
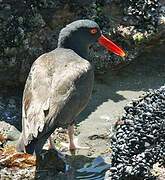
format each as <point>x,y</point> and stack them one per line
<point>30,148</point>
<point>34,147</point>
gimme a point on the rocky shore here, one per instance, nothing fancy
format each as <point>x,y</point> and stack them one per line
<point>139,141</point>
<point>30,28</point>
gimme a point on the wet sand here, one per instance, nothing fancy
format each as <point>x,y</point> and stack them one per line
<point>111,93</point>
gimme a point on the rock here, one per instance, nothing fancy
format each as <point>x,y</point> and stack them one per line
<point>29,29</point>
<point>18,174</point>
<point>14,165</point>
<point>13,134</point>
<point>158,171</point>
<point>140,144</point>
<point>10,106</point>
<point>9,132</point>
<point>4,127</point>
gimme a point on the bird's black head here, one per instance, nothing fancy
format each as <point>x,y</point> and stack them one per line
<point>80,34</point>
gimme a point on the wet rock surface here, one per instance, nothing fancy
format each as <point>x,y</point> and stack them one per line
<point>139,139</point>
<point>10,106</point>
<point>30,28</point>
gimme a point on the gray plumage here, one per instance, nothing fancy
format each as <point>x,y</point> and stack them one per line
<point>73,27</point>
<point>57,89</point>
<point>59,84</point>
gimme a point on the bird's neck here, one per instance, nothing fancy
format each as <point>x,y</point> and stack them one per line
<point>78,46</point>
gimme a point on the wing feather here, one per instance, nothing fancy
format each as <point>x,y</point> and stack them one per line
<point>36,99</point>
<point>47,90</point>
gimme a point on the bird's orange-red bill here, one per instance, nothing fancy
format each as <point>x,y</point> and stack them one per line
<point>111,46</point>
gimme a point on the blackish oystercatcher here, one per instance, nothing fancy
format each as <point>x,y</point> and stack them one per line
<point>59,85</point>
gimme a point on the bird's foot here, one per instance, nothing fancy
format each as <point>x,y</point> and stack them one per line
<point>72,146</point>
<point>52,146</point>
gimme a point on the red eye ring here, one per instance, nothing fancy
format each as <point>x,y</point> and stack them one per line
<point>93,31</point>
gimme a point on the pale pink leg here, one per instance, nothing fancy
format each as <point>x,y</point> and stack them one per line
<point>51,143</point>
<point>72,145</point>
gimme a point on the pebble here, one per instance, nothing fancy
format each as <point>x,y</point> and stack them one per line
<point>17,174</point>
<point>9,131</point>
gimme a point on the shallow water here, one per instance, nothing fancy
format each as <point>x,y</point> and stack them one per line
<point>94,170</point>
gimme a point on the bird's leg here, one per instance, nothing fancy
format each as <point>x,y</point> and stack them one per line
<point>72,145</point>
<point>51,143</point>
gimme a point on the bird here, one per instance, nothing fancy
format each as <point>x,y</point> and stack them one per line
<point>59,85</point>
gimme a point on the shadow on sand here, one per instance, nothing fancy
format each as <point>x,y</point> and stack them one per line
<point>146,72</point>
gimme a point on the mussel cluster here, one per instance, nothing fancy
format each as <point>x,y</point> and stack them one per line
<point>139,141</point>
<point>143,12</point>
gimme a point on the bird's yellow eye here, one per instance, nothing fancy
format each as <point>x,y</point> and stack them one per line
<point>93,31</point>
